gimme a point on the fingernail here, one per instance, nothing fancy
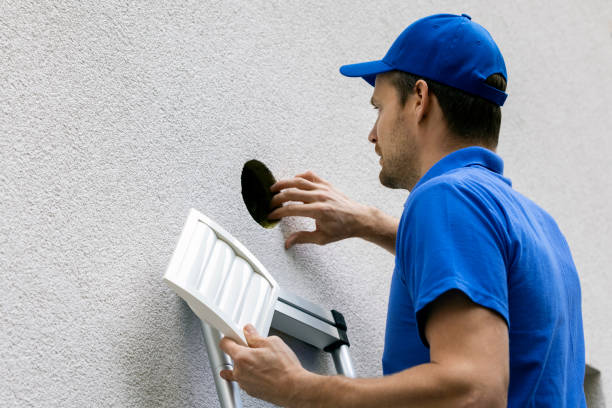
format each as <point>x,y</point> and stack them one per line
<point>249,328</point>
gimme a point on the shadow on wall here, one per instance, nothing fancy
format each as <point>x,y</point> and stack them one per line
<point>592,388</point>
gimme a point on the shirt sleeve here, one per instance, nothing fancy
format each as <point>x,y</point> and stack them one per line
<point>455,241</point>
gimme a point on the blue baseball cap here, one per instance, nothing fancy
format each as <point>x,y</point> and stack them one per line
<point>445,48</point>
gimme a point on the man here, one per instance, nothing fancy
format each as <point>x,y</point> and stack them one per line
<point>485,304</point>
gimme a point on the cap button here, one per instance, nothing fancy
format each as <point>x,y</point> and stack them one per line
<point>466,16</point>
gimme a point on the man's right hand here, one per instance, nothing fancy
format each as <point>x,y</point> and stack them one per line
<point>336,216</point>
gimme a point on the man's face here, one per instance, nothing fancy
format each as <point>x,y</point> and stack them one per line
<point>394,137</point>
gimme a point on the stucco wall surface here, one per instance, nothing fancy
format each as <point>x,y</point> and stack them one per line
<point>117,117</point>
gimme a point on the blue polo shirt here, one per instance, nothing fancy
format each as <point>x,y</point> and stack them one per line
<point>464,227</point>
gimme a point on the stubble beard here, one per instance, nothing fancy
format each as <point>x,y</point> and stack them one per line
<point>401,171</point>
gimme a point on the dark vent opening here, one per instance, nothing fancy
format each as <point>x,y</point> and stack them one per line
<point>256,181</point>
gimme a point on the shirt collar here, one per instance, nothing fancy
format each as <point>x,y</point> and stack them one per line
<point>473,155</point>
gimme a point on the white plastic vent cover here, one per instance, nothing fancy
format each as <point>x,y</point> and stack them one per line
<point>222,282</point>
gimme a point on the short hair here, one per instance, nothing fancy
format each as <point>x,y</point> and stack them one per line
<point>472,119</point>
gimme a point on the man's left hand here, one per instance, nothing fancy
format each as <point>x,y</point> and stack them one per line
<point>268,369</point>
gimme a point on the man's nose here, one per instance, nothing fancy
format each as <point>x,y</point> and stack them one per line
<point>373,136</point>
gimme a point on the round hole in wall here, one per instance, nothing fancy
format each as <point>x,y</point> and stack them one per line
<point>256,181</point>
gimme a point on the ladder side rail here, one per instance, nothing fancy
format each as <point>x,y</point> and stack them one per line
<point>228,391</point>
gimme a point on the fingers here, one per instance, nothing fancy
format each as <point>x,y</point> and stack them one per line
<point>309,175</point>
<point>253,338</point>
<point>230,347</point>
<point>311,210</point>
<point>303,237</point>
<point>294,194</point>
<point>300,188</point>
<point>297,181</point>
<point>227,375</point>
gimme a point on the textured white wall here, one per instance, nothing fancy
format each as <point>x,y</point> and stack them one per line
<point>117,117</point>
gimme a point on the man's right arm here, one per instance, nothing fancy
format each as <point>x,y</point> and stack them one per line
<point>337,216</point>
<point>379,228</point>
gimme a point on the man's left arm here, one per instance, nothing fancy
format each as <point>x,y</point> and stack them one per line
<point>469,366</point>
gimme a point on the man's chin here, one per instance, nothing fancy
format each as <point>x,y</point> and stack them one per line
<point>388,181</point>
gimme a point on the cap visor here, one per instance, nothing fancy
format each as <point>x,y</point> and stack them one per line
<point>366,70</point>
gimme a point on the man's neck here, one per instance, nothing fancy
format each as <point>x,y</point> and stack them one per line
<point>431,157</point>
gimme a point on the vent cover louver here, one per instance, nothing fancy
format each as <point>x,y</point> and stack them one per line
<point>222,282</point>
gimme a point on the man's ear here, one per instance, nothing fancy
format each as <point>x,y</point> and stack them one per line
<point>422,100</point>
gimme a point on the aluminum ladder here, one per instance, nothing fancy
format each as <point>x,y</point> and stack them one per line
<point>297,317</point>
